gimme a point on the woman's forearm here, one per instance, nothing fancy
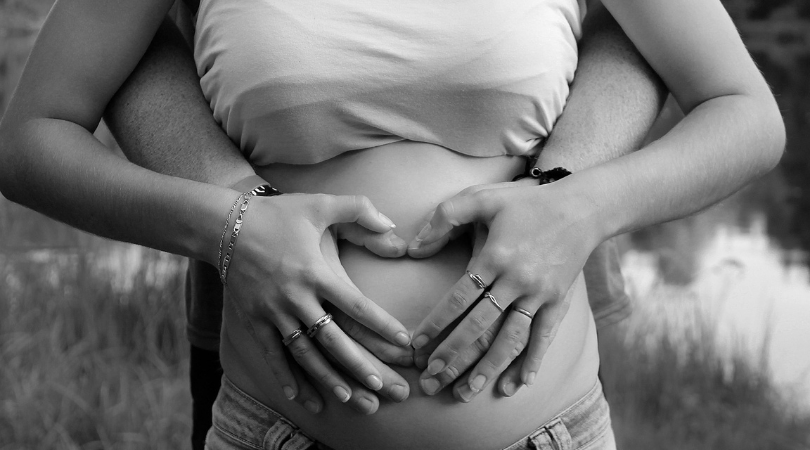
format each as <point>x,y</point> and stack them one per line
<point>731,134</point>
<point>53,164</point>
<point>719,147</point>
<point>59,168</point>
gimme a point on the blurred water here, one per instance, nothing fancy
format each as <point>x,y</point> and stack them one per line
<point>755,294</point>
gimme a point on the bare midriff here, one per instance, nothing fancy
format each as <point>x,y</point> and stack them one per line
<point>405,181</point>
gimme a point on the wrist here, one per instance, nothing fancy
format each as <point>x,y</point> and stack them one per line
<point>212,207</point>
<point>592,211</point>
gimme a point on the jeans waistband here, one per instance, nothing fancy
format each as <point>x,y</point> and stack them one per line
<point>245,420</point>
<point>254,425</point>
<point>581,424</point>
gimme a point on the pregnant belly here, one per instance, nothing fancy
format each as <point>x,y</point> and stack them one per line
<point>406,181</point>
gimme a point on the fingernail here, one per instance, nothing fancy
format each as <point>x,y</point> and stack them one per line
<point>420,341</point>
<point>397,242</point>
<point>423,233</point>
<point>421,361</point>
<point>530,378</point>
<point>374,382</point>
<point>312,406</point>
<point>430,385</point>
<point>289,392</point>
<point>415,244</point>
<point>387,221</point>
<point>398,392</point>
<point>342,394</point>
<point>402,338</point>
<point>478,383</point>
<point>405,361</point>
<point>466,395</point>
<point>366,406</point>
<point>509,389</point>
<point>435,367</point>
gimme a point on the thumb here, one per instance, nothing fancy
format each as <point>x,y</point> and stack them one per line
<point>457,211</point>
<point>356,208</point>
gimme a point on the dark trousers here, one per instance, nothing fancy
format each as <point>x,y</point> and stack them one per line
<point>205,374</point>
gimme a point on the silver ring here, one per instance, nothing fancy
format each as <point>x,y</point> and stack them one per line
<point>523,311</point>
<point>291,337</point>
<point>323,320</point>
<point>477,280</point>
<point>491,298</point>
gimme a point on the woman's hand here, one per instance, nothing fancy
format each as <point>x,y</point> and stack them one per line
<point>375,348</point>
<point>279,278</point>
<point>509,381</point>
<point>539,238</point>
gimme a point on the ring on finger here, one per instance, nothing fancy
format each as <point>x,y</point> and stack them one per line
<point>323,320</point>
<point>291,337</point>
<point>477,280</point>
<point>526,313</point>
<point>492,299</point>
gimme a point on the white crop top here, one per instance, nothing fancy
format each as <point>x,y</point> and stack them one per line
<point>301,81</point>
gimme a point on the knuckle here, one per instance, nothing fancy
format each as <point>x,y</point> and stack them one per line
<point>309,275</point>
<point>355,366</point>
<point>534,360</point>
<point>445,210</point>
<point>299,352</point>
<point>479,323</point>
<point>289,270</point>
<point>524,279</point>
<point>329,337</point>
<point>359,308</point>
<point>353,329</point>
<point>450,352</point>
<point>488,366</point>
<point>516,351</point>
<point>325,378</point>
<point>547,333</point>
<point>469,190</point>
<point>459,301</point>
<point>361,202</point>
<point>485,341</point>
<point>322,200</point>
<point>481,344</point>
<point>500,256</point>
<point>514,336</point>
<point>486,198</point>
<point>450,373</point>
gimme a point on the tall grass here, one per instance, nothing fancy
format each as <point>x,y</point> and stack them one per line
<point>671,387</point>
<point>85,363</point>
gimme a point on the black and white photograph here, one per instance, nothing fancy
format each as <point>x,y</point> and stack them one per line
<point>421,224</point>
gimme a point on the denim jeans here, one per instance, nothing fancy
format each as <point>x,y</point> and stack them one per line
<point>241,422</point>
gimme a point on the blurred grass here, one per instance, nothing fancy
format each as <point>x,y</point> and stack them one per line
<point>671,387</point>
<point>86,360</point>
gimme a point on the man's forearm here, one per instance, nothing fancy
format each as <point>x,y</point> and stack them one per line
<point>162,121</point>
<point>614,99</point>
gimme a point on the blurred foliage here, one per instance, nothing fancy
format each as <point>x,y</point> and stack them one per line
<point>88,362</point>
<point>671,388</point>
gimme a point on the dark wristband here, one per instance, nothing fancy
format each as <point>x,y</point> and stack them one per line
<point>544,176</point>
<point>264,190</point>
